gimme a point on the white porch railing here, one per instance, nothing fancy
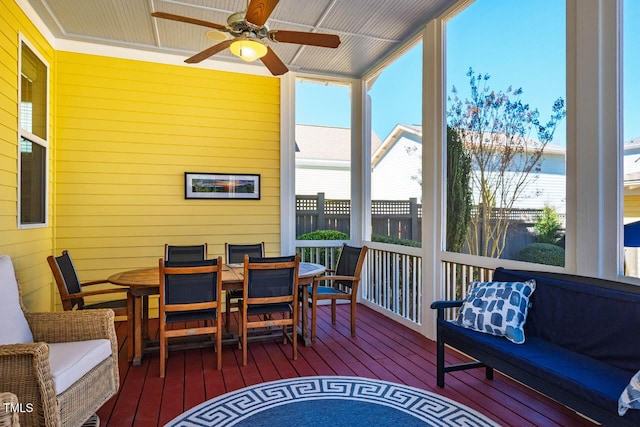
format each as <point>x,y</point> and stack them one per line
<point>392,282</point>
<point>457,278</point>
<point>320,252</point>
<point>392,279</point>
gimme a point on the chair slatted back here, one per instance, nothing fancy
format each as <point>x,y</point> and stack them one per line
<point>190,291</point>
<point>67,280</point>
<point>350,263</point>
<point>273,277</point>
<point>235,253</point>
<point>185,253</point>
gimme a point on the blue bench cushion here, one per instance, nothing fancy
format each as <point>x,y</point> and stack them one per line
<point>594,317</point>
<point>592,380</point>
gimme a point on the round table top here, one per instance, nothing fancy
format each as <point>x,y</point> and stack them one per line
<point>310,269</point>
<point>143,277</point>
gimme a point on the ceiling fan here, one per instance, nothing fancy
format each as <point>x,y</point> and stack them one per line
<point>248,34</point>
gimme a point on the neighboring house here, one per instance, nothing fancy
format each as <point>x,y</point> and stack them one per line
<point>397,164</point>
<point>323,158</point>
<point>322,165</point>
<point>631,178</point>
<point>631,207</point>
<point>546,184</point>
<point>396,171</point>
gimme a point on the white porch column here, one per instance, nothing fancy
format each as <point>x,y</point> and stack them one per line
<point>287,164</point>
<point>593,106</point>
<point>360,163</point>
<point>432,173</point>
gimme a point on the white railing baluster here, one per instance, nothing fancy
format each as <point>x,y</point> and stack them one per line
<point>392,279</point>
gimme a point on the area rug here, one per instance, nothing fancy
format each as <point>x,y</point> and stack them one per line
<point>330,401</point>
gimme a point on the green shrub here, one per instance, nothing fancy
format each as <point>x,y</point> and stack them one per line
<point>395,241</point>
<point>547,226</point>
<point>543,253</point>
<point>324,235</point>
<point>321,255</point>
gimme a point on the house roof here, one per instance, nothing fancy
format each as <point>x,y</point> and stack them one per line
<point>369,29</point>
<point>395,134</point>
<point>329,143</point>
<point>326,143</point>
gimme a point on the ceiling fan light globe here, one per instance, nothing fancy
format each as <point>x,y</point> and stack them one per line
<point>248,50</point>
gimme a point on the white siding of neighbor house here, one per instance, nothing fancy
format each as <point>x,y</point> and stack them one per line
<point>323,160</point>
<point>546,187</point>
<point>392,176</point>
<point>334,181</point>
<point>322,165</point>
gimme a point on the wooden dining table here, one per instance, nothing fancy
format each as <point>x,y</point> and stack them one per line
<point>142,283</point>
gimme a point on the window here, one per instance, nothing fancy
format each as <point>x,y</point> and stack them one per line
<point>396,150</point>
<point>631,139</point>
<point>506,143</point>
<point>33,139</point>
<point>323,160</point>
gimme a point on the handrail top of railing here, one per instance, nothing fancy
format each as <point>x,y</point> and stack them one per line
<point>493,263</point>
<point>388,247</point>
<point>320,243</point>
<point>398,249</point>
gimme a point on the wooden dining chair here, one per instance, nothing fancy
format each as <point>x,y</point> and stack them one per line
<point>190,292</point>
<point>341,284</point>
<point>270,287</point>
<point>185,252</point>
<point>234,254</point>
<point>73,292</point>
<point>176,254</point>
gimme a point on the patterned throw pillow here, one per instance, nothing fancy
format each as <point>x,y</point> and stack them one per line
<point>497,308</point>
<point>630,397</point>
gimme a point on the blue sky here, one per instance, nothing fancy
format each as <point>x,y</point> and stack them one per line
<point>518,43</point>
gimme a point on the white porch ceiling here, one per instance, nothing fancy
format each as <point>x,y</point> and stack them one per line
<point>369,29</point>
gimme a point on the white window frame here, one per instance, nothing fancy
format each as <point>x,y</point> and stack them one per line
<point>435,124</point>
<point>22,133</point>
<point>288,240</point>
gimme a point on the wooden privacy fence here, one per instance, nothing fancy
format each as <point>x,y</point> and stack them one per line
<point>402,219</point>
<point>396,218</point>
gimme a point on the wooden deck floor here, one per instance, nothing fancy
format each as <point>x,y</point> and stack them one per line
<point>383,349</point>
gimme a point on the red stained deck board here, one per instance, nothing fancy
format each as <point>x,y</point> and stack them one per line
<point>319,365</point>
<point>173,394</point>
<point>194,392</point>
<point>383,349</point>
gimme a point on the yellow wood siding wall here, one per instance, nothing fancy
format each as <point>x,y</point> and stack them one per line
<point>127,131</point>
<point>28,248</point>
<point>631,208</point>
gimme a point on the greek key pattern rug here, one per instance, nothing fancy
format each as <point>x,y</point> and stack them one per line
<point>330,401</point>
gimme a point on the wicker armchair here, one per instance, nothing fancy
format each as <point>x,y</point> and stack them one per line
<point>25,369</point>
<point>8,416</point>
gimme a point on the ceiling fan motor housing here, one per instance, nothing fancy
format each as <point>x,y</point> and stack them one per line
<point>238,25</point>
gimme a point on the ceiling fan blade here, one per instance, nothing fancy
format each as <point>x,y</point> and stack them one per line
<point>301,37</point>
<point>259,10</point>
<point>188,20</point>
<point>201,56</point>
<point>273,63</point>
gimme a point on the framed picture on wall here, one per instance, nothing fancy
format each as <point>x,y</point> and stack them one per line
<point>221,186</point>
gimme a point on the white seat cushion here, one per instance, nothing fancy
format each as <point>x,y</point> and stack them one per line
<point>15,329</point>
<point>70,361</point>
